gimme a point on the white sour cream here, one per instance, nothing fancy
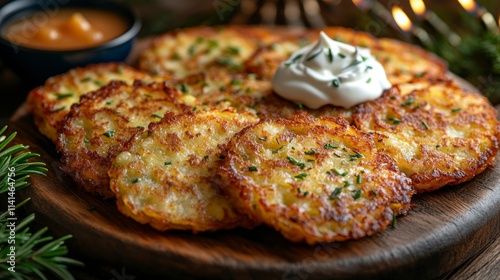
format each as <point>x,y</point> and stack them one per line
<point>330,72</point>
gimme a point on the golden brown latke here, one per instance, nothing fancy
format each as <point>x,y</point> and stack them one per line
<point>260,50</point>
<point>164,177</point>
<point>51,102</point>
<point>437,133</point>
<point>314,180</point>
<point>95,130</point>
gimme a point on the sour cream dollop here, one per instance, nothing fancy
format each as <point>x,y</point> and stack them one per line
<point>330,72</point>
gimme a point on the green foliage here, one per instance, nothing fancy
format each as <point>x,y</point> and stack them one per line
<point>476,59</point>
<point>16,158</point>
<point>36,255</point>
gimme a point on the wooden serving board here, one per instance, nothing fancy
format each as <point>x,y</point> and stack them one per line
<point>445,228</point>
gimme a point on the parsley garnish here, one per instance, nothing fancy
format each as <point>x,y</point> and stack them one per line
<point>330,146</point>
<point>109,133</point>
<point>135,180</point>
<point>336,83</point>
<point>314,55</point>
<point>278,149</point>
<point>156,116</point>
<point>394,120</point>
<point>340,173</point>
<point>301,176</point>
<point>310,152</point>
<point>330,55</point>
<point>335,193</point>
<point>359,179</point>
<point>425,125</point>
<point>295,162</point>
<point>407,102</point>
<point>252,168</point>
<point>63,95</point>
<point>168,162</point>
<point>357,194</point>
<point>454,110</point>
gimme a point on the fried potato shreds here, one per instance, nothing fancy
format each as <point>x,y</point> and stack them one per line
<point>314,180</point>
<point>96,129</point>
<point>165,177</point>
<point>52,101</point>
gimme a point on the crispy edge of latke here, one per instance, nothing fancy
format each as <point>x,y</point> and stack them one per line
<point>236,181</point>
<point>72,165</point>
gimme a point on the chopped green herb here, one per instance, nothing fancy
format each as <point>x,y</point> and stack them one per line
<point>340,173</point>
<point>59,109</point>
<point>336,83</point>
<point>109,102</point>
<point>227,62</point>
<point>346,184</point>
<point>419,75</point>
<point>212,44</point>
<point>99,83</point>
<point>393,224</point>
<point>330,55</point>
<point>222,156</point>
<point>262,139</point>
<point>295,162</point>
<point>176,56</point>
<point>120,70</point>
<point>109,133</point>
<point>233,50</point>
<point>300,106</point>
<point>157,116</point>
<point>425,125</point>
<point>314,55</point>
<point>191,50</point>
<point>295,59</point>
<point>168,162</point>
<point>277,141</point>
<point>336,154</point>
<point>374,192</point>
<point>335,193</point>
<point>356,155</point>
<point>63,95</point>
<point>369,80</point>
<point>368,68</point>
<point>135,180</point>
<point>236,82</point>
<point>205,157</point>
<point>454,110</point>
<point>252,168</point>
<point>301,176</point>
<point>359,179</point>
<point>195,108</point>
<point>278,149</point>
<point>330,146</point>
<point>148,95</point>
<point>310,152</point>
<point>310,160</point>
<point>341,55</point>
<point>184,88</point>
<point>356,194</point>
<point>86,79</point>
<point>407,102</point>
<point>86,141</point>
<point>306,193</point>
<point>394,120</point>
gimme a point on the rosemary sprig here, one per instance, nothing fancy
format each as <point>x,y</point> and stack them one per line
<point>37,256</point>
<point>17,158</point>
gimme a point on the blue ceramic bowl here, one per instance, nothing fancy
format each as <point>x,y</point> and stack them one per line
<point>36,65</point>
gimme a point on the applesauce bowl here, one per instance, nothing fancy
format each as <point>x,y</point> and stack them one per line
<point>35,64</point>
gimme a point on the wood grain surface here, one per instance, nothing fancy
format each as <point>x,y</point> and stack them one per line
<point>445,229</point>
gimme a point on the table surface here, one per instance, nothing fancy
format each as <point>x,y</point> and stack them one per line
<point>485,265</point>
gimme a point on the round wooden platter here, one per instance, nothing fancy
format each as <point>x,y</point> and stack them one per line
<point>444,229</point>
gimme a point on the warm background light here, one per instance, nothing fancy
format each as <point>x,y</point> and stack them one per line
<point>401,18</point>
<point>418,6</point>
<point>469,5</point>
